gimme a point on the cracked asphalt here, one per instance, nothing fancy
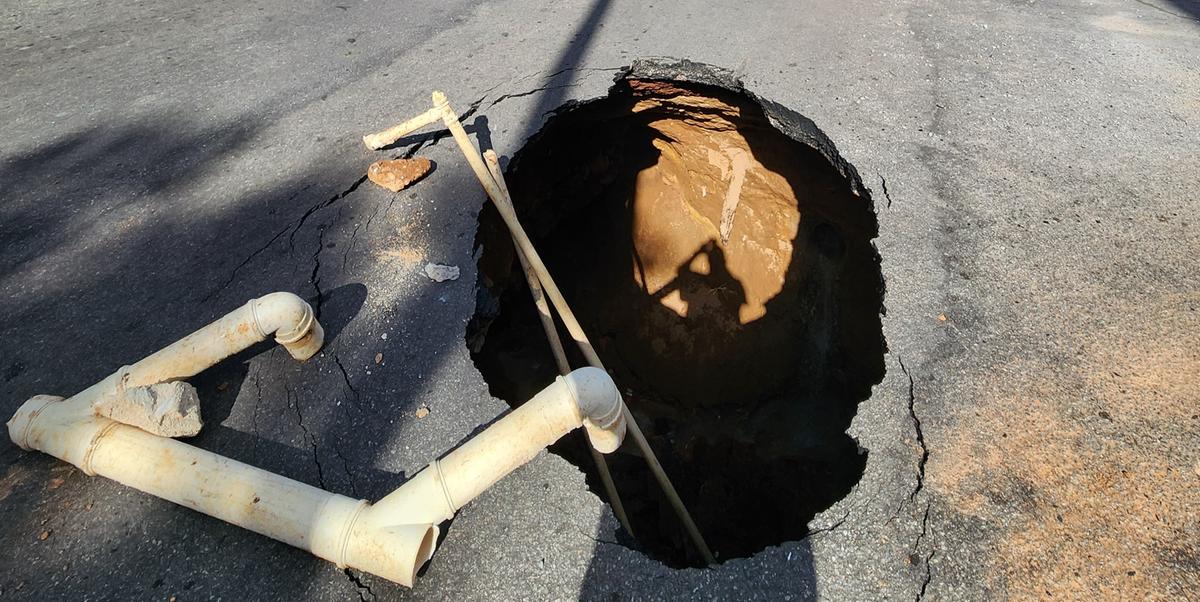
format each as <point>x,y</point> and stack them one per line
<point>1035,168</point>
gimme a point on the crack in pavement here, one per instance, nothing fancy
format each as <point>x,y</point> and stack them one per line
<point>545,78</point>
<point>314,278</point>
<point>589,535</point>
<point>391,201</point>
<point>293,228</point>
<point>353,240</point>
<point>254,413</point>
<point>928,558</point>
<point>605,541</point>
<point>924,530</point>
<point>821,530</point>
<point>251,256</point>
<point>928,577</point>
<point>319,206</point>
<point>886,195</point>
<point>566,69</point>
<point>918,429</point>
<point>505,97</point>
<point>312,441</point>
<point>346,468</point>
<point>360,585</point>
<point>346,379</point>
<point>433,138</point>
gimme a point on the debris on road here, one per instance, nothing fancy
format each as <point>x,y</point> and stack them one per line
<point>441,273</point>
<point>396,175</point>
<point>421,412</point>
<point>166,409</point>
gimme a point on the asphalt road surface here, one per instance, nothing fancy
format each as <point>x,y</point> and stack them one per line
<point>1035,166</point>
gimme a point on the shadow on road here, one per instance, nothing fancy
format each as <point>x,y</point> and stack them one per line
<point>108,255</point>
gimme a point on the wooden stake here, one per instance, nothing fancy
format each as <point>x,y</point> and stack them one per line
<point>379,140</point>
<point>556,347</point>
<point>564,311</point>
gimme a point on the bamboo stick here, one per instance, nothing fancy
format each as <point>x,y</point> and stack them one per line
<point>379,140</point>
<point>556,346</point>
<point>568,317</point>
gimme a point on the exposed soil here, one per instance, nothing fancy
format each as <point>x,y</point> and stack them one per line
<point>726,276</point>
<point>1085,470</point>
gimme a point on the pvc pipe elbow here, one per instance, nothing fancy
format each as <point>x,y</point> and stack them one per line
<point>291,320</point>
<point>600,406</point>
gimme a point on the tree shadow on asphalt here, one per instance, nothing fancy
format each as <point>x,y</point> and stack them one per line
<point>1188,9</point>
<point>107,253</point>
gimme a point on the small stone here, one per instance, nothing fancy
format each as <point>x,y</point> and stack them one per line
<point>396,175</point>
<point>378,358</point>
<point>55,483</point>
<point>422,412</point>
<point>44,535</point>
<point>441,273</point>
<point>941,317</point>
<point>383,336</point>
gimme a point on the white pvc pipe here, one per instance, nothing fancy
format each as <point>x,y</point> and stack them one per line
<point>392,538</point>
<point>285,316</point>
<point>587,395</point>
<point>266,503</point>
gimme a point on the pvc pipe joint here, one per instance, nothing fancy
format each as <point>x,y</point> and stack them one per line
<point>600,403</point>
<point>147,394</point>
<point>291,320</point>
<point>392,538</point>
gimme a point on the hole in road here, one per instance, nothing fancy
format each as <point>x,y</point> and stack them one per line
<point>725,273</point>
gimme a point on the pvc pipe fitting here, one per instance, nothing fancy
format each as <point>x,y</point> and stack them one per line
<point>392,538</point>
<point>148,395</point>
<point>283,315</point>
<point>291,320</point>
<point>447,484</point>
<point>602,407</point>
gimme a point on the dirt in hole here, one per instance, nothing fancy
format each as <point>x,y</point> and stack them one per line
<point>724,272</point>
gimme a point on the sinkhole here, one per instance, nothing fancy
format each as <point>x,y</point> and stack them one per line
<point>717,251</point>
